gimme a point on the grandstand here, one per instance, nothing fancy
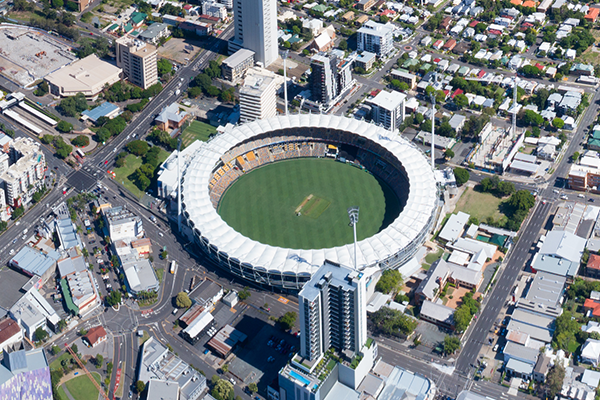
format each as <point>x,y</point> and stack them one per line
<point>223,160</point>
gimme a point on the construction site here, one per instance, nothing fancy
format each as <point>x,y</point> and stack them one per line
<point>28,54</point>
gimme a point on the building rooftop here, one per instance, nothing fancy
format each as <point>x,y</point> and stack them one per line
<point>238,57</point>
<point>545,294</point>
<point>94,334</point>
<point>519,366</point>
<point>8,328</point>
<point>83,74</point>
<point>454,226</point>
<point>163,390</point>
<point>388,100</point>
<point>405,385</point>
<point>543,335</point>
<point>225,339</point>
<point>521,352</point>
<point>71,265</point>
<point>208,292</point>
<point>373,28</point>
<point>333,274</point>
<point>591,378</point>
<point>438,312</point>
<point>171,113</point>
<point>156,362</point>
<point>153,31</point>
<point>34,262</point>
<point>102,110</point>
<point>26,373</point>
<point>554,265</point>
<point>255,84</point>
<point>139,272</point>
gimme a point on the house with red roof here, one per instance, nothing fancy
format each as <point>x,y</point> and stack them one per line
<point>480,74</point>
<point>592,269</point>
<point>457,92</point>
<point>95,336</point>
<point>539,66</point>
<point>438,44</point>
<point>592,306</point>
<point>450,44</point>
<point>592,14</point>
<point>473,23</point>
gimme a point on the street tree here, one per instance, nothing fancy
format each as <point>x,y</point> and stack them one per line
<point>183,300</point>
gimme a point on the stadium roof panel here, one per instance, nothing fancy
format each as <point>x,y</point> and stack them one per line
<point>408,226</point>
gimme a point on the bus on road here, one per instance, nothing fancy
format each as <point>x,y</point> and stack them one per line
<point>173,266</point>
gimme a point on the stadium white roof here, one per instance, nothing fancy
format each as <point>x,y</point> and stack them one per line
<point>411,222</point>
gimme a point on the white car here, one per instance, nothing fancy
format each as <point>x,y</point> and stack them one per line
<point>11,252</point>
<point>564,197</point>
<point>17,223</point>
<point>160,234</point>
<point>496,348</point>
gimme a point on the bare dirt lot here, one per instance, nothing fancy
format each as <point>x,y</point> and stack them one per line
<point>175,50</point>
<point>27,55</point>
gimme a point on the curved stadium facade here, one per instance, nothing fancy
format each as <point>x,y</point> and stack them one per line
<point>218,164</point>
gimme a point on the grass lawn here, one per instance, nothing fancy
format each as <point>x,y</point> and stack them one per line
<point>480,205</point>
<point>274,192</point>
<point>159,274</point>
<point>55,365</point>
<point>573,346</point>
<point>131,164</point>
<point>431,257</point>
<point>197,130</point>
<point>61,394</point>
<point>143,339</point>
<point>81,388</point>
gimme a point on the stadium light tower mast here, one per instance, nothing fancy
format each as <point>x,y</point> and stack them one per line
<point>433,124</point>
<point>179,184</point>
<point>284,55</point>
<point>514,119</point>
<point>353,214</point>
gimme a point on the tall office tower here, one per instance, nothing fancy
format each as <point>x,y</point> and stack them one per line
<point>324,78</point>
<point>258,96</point>
<point>138,61</point>
<point>256,29</point>
<point>333,312</point>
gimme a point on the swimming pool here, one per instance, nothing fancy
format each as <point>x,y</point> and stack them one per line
<point>299,377</point>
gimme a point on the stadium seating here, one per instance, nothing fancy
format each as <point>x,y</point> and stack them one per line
<point>302,142</point>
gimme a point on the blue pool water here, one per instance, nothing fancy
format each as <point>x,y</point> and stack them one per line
<point>299,377</point>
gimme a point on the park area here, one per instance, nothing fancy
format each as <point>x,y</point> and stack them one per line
<point>197,131</point>
<point>482,206</point>
<point>132,163</point>
<point>80,388</point>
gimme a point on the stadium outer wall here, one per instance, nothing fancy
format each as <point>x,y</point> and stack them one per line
<point>289,269</point>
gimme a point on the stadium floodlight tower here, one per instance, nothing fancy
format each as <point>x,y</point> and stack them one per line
<point>514,119</point>
<point>353,214</point>
<point>284,55</point>
<point>179,184</point>
<point>435,81</point>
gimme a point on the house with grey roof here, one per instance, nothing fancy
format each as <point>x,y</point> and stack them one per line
<point>155,32</point>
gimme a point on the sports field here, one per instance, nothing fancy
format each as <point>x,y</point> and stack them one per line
<point>302,204</point>
<point>197,131</point>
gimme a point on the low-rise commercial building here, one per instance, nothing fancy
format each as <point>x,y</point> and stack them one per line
<point>89,75</point>
<point>235,66</point>
<point>33,311</point>
<point>95,336</point>
<point>122,224</point>
<point>158,363</point>
<point>78,285</point>
<point>170,117</point>
<point>155,32</point>
<point>33,262</point>
<point>11,333</point>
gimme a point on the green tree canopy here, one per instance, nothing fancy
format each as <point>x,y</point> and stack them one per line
<point>183,300</point>
<point>558,123</point>
<point>390,280</point>
<point>40,334</point>
<point>451,344</point>
<point>223,390</point>
<point>462,176</point>
<point>288,320</point>
<point>137,147</point>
